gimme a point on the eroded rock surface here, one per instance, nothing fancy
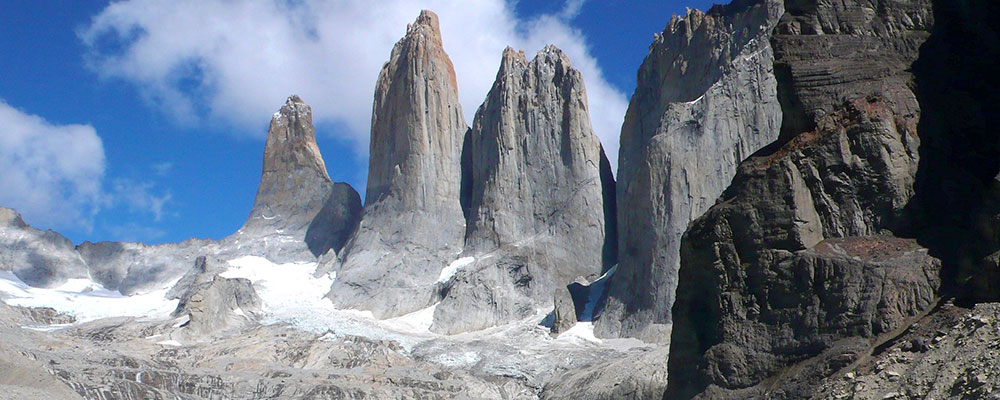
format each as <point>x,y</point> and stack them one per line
<point>541,185</point>
<point>37,257</point>
<point>706,99</point>
<point>413,224</point>
<point>745,263</point>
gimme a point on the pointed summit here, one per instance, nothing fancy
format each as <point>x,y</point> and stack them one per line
<point>542,196</point>
<point>296,198</point>
<point>414,179</point>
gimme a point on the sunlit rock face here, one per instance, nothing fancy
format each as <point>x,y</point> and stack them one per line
<point>299,213</point>
<point>537,185</point>
<point>413,224</point>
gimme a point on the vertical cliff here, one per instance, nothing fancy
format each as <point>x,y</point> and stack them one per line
<point>705,99</point>
<point>795,272</point>
<point>537,212</point>
<point>413,224</point>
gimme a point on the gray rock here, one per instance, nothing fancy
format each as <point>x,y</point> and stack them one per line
<point>39,258</point>
<point>212,303</point>
<point>705,99</point>
<point>634,377</point>
<point>136,267</point>
<point>957,360</point>
<point>763,286</point>
<point>413,222</point>
<point>563,312</point>
<point>299,213</point>
<point>539,184</point>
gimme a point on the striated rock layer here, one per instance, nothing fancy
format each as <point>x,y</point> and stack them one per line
<point>413,222</point>
<point>540,188</point>
<point>763,285</point>
<point>795,265</point>
<point>706,99</point>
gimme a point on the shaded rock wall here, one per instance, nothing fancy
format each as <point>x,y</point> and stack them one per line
<point>844,166</point>
<point>705,100</point>
<point>849,178</point>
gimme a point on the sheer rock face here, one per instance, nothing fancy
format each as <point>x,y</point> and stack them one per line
<point>762,286</point>
<point>537,207</point>
<point>706,99</point>
<point>844,167</point>
<point>39,258</point>
<point>413,223</point>
<point>299,213</point>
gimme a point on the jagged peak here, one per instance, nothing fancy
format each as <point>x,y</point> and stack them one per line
<point>10,217</point>
<point>426,23</point>
<point>552,55</point>
<point>293,109</point>
<point>292,132</point>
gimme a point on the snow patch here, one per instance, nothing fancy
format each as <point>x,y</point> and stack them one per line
<point>417,321</point>
<point>581,331</point>
<point>85,299</point>
<point>448,272</point>
<point>291,294</point>
<point>173,343</point>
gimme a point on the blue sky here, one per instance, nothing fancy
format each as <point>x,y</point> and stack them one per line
<point>145,120</point>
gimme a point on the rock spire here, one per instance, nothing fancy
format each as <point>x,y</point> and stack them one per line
<point>413,222</point>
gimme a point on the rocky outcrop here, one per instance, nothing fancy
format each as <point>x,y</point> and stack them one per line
<point>212,303</point>
<point>540,207</point>
<point>705,99</point>
<point>39,258</point>
<point>299,213</point>
<point>740,314</point>
<point>413,222</point>
<point>131,267</point>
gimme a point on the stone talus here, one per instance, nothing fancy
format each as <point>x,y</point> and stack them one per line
<point>413,223</point>
<point>706,99</point>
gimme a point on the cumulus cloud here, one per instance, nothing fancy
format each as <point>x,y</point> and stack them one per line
<point>237,60</point>
<point>138,197</point>
<point>51,173</point>
<point>54,175</point>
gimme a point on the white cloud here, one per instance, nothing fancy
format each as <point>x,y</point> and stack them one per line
<point>237,60</point>
<point>51,173</point>
<point>138,197</point>
<point>54,175</point>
